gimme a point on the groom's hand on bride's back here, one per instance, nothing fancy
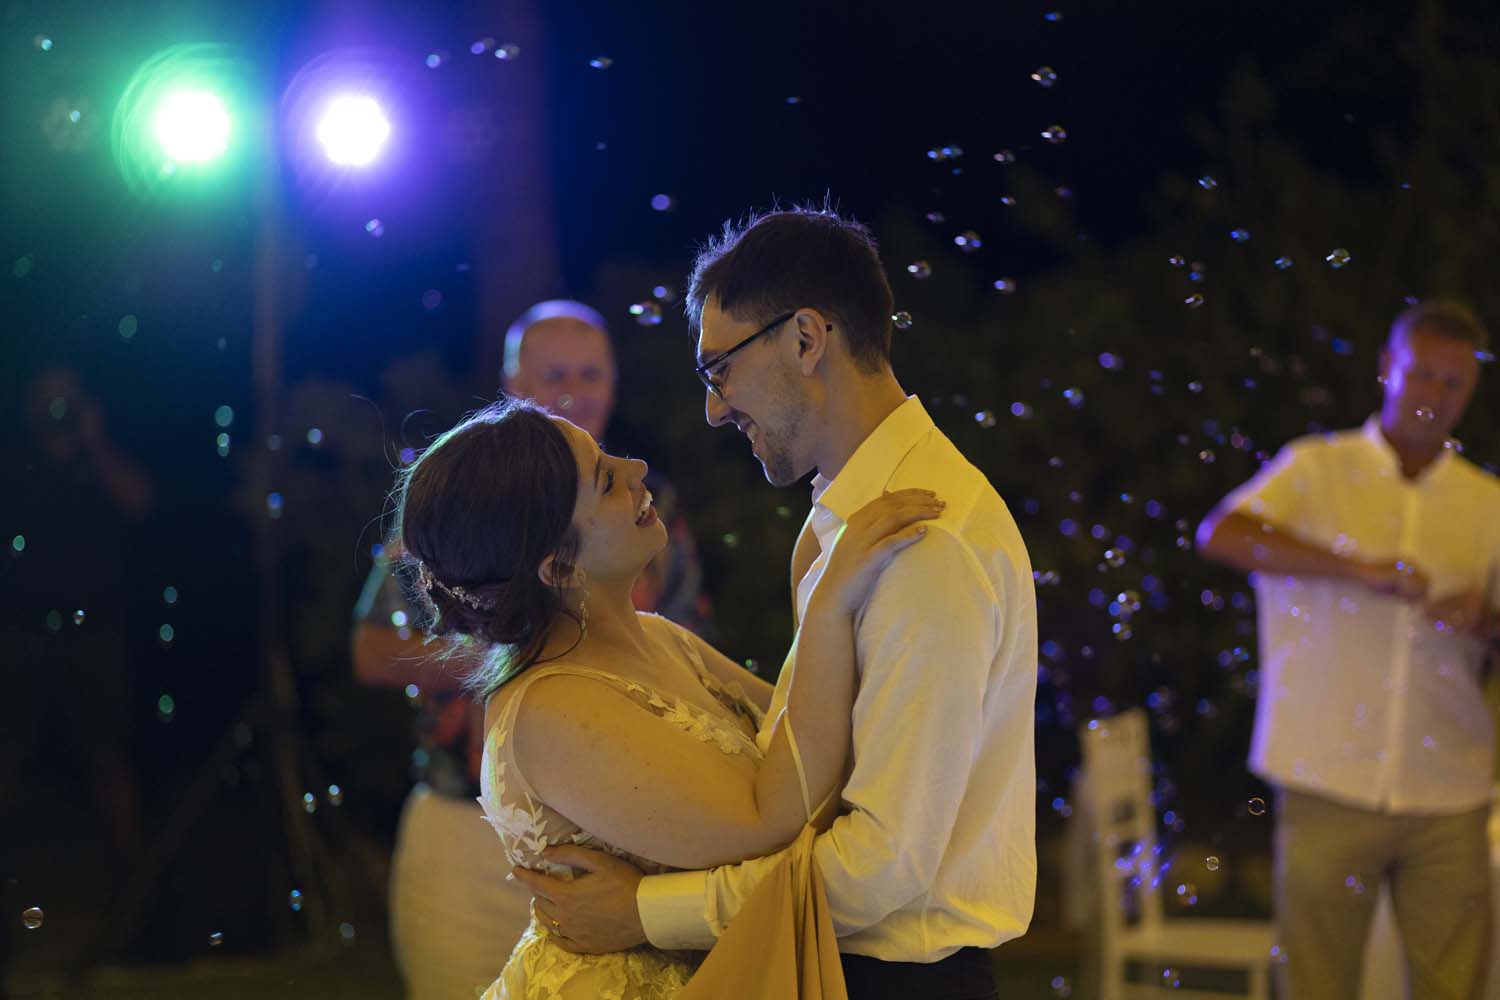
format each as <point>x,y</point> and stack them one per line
<point>596,911</point>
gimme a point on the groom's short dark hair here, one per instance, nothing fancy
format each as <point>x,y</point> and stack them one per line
<point>803,257</point>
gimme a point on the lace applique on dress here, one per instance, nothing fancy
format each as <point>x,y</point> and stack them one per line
<point>539,969</point>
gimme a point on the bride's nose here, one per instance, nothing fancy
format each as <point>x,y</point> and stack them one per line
<point>638,468</point>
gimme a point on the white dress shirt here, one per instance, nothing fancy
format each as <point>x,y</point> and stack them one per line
<point>1362,699</point>
<point>935,850</point>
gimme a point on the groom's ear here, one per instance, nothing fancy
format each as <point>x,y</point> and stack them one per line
<point>814,339</point>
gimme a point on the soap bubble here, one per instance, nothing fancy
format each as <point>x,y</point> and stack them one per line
<point>646,313</point>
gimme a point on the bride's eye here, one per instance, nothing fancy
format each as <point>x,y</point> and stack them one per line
<point>609,480</point>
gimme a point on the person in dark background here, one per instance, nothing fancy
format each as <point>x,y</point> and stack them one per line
<point>74,579</point>
<point>73,498</point>
<point>452,908</point>
<point>1377,553</point>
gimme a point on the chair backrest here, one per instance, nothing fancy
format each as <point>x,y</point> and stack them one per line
<point>1116,796</point>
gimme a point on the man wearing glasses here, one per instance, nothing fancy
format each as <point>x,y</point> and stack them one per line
<point>932,861</point>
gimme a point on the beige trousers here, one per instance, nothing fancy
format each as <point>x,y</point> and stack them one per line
<point>454,917</point>
<point>1330,862</point>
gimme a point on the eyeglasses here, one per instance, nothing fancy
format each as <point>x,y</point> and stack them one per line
<point>705,372</point>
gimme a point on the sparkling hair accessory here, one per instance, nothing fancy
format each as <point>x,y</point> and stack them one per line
<point>429,582</point>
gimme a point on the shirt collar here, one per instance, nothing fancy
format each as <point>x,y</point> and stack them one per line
<point>1388,457</point>
<point>865,475</point>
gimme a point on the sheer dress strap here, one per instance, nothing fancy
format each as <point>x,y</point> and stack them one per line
<point>505,725</point>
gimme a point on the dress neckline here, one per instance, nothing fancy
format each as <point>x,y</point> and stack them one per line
<point>731,722</point>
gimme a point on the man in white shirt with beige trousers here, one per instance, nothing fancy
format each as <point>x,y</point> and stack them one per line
<point>932,861</point>
<point>1376,553</point>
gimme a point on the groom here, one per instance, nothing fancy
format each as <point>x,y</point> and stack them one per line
<point>932,861</point>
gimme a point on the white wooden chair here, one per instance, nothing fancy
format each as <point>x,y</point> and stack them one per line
<point>1115,799</point>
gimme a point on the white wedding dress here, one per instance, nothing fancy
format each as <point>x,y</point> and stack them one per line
<point>538,968</point>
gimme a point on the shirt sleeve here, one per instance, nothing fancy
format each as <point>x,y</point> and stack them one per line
<point>1282,491</point>
<point>926,640</point>
<point>1492,573</point>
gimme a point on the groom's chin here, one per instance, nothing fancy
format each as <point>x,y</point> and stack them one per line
<point>779,475</point>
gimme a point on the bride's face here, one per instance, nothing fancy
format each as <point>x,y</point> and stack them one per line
<point>618,530</point>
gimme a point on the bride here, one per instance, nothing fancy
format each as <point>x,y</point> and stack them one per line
<point>606,727</point>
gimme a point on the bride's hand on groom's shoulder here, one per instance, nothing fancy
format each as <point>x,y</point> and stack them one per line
<point>870,539</point>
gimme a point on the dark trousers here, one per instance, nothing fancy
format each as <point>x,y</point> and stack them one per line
<point>967,974</point>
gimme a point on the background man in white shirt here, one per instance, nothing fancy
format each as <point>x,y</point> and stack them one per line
<point>932,861</point>
<point>1376,552</point>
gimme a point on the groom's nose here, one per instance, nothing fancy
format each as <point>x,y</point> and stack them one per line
<point>715,410</point>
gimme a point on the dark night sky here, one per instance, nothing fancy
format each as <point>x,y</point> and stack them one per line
<point>695,106</point>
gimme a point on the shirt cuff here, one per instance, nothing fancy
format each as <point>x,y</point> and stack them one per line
<point>673,910</point>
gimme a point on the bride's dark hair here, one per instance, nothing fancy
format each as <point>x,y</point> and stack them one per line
<point>476,514</point>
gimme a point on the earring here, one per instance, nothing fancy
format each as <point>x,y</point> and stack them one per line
<point>583,613</point>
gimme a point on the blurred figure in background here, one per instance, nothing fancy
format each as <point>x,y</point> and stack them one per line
<point>74,502</point>
<point>1376,553</point>
<point>454,913</point>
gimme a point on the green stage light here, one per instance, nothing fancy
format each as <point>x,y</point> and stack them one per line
<point>182,119</point>
<point>191,126</point>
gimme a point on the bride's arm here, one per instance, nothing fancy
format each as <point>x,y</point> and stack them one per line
<point>641,783</point>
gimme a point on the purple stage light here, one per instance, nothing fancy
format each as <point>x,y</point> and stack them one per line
<point>349,122</point>
<point>353,130</point>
